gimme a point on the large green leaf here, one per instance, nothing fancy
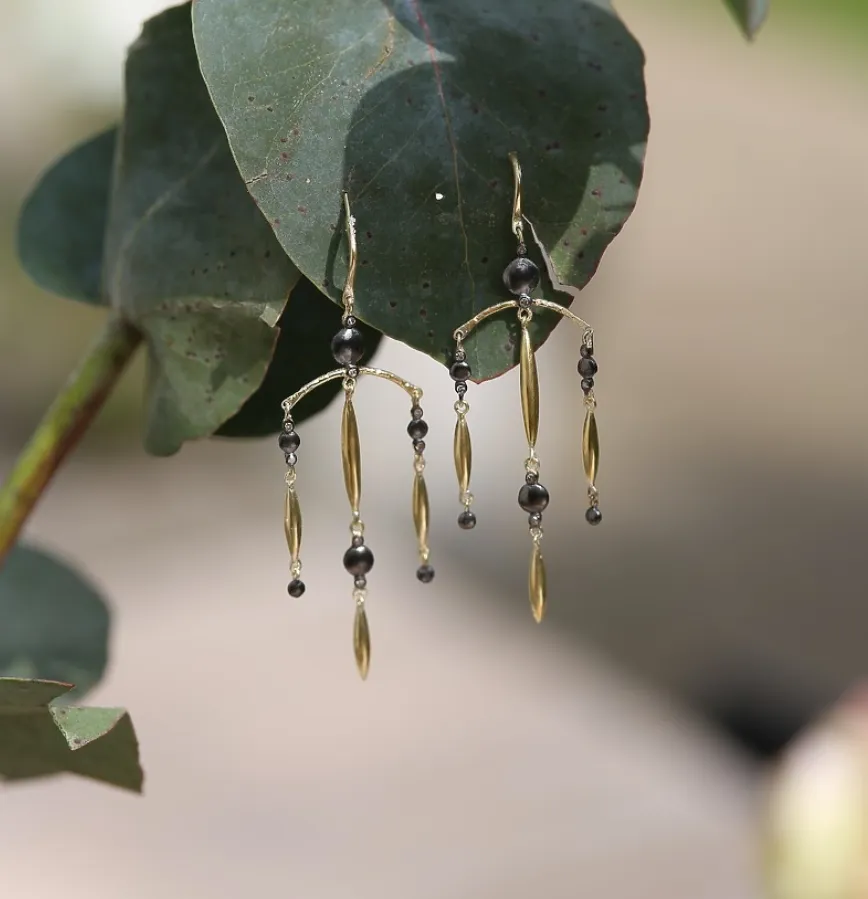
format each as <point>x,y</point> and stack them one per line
<point>750,14</point>
<point>53,623</point>
<point>62,225</point>
<point>38,739</point>
<point>414,107</point>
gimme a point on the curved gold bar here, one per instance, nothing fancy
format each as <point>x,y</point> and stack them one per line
<point>362,640</point>
<point>590,447</point>
<point>562,310</point>
<point>292,523</point>
<point>536,584</point>
<point>414,391</point>
<point>351,455</point>
<point>348,294</point>
<point>467,327</point>
<point>421,513</point>
<point>529,388</point>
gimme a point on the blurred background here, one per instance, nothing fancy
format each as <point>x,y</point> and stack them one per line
<point>621,748</point>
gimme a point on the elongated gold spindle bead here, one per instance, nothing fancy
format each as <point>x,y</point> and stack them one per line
<point>351,455</point>
<point>463,452</point>
<point>536,583</point>
<point>292,522</point>
<point>420,512</point>
<point>590,447</point>
<point>529,387</point>
<point>362,641</point>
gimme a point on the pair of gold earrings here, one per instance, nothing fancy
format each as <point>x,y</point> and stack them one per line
<point>520,277</point>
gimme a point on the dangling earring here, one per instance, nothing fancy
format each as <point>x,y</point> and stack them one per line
<point>348,349</point>
<point>521,277</point>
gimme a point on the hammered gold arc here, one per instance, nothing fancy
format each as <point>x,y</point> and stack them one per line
<point>292,523</point>
<point>536,584</point>
<point>351,455</point>
<point>590,447</point>
<point>362,641</point>
<point>463,453</point>
<point>529,388</point>
<point>420,510</point>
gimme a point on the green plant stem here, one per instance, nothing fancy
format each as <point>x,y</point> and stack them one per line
<point>70,415</point>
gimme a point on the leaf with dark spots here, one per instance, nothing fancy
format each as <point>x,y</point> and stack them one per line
<point>61,229</point>
<point>413,107</point>
<point>750,14</point>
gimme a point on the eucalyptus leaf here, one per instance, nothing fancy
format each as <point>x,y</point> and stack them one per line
<point>750,14</point>
<point>413,107</point>
<point>38,738</point>
<point>53,623</point>
<point>62,225</point>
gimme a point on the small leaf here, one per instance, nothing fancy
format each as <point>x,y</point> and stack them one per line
<point>62,225</point>
<point>37,740</point>
<point>414,108</point>
<point>53,623</point>
<point>750,14</point>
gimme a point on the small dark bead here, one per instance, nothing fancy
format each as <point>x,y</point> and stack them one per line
<point>587,367</point>
<point>417,429</point>
<point>348,346</point>
<point>524,301</point>
<point>588,385</point>
<point>533,497</point>
<point>291,458</point>
<point>521,276</point>
<point>295,588</point>
<point>460,355</point>
<point>425,573</point>
<point>416,413</point>
<point>586,351</point>
<point>289,441</point>
<point>358,559</point>
<point>467,521</point>
<point>361,582</point>
<point>419,446</point>
<point>289,425</point>
<point>352,371</point>
<point>534,519</point>
<point>593,515</point>
<point>521,250</point>
<point>461,387</point>
<point>531,477</point>
<point>358,541</point>
<point>350,321</point>
<point>460,370</point>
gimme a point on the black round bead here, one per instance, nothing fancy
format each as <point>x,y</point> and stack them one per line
<point>586,351</point>
<point>525,301</point>
<point>460,370</point>
<point>416,413</point>
<point>350,321</point>
<point>419,446</point>
<point>587,367</point>
<point>587,385</point>
<point>358,540</point>
<point>531,477</point>
<point>467,521</point>
<point>425,573</point>
<point>291,458</point>
<point>289,441</point>
<point>593,515</point>
<point>417,429</point>
<point>352,371</point>
<point>534,519</point>
<point>358,560</point>
<point>295,588</point>
<point>461,387</point>
<point>533,497</point>
<point>361,582</point>
<point>521,276</point>
<point>348,346</point>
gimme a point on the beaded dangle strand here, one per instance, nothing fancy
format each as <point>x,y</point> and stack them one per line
<point>348,349</point>
<point>521,277</point>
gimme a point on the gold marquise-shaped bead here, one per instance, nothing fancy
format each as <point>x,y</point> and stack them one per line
<point>463,453</point>
<point>420,510</point>
<point>351,455</point>
<point>536,584</point>
<point>362,641</point>
<point>590,447</point>
<point>529,388</point>
<point>292,522</point>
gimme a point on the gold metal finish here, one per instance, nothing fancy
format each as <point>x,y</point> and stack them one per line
<point>349,296</point>
<point>351,455</point>
<point>517,227</point>
<point>362,641</point>
<point>529,388</point>
<point>292,522</point>
<point>414,391</point>
<point>590,447</point>
<point>536,583</point>
<point>463,452</point>
<point>420,511</point>
<point>562,310</point>
<point>467,327</point>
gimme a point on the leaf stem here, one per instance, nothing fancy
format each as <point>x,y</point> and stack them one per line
<point>70,415</point>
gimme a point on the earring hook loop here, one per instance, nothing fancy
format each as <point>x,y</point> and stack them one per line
<point>349,296</point>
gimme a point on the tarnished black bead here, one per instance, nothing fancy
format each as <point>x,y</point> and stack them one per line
<point>419,446</point>
<point>461,387</point>
<point>525,300</point>
<point>352,371</point>
<point>291,458</point>
<point>289,441</point>
<point>586,351</point>
<point>593,515</point>
<point>531,477</point>
<point>467,521</point>
<point>358,560</point>
<point>459,370</point>
<point>533,497</point>
<point>417,429</point>
<point>521,249</point>
<point>358,540</point>
<point>534,519</point>
<point>361,582</point>
<point>348,346</point>
<point>350,321</point>
<point>425,573</point>
<point>587,385</point>
<point>416,413</point>
<point>295,588</point>
<point>460,355</point>
<point>587,367</point>
<point>521,276</point>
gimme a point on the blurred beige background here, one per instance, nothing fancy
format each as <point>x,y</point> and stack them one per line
<point>487,757</point>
